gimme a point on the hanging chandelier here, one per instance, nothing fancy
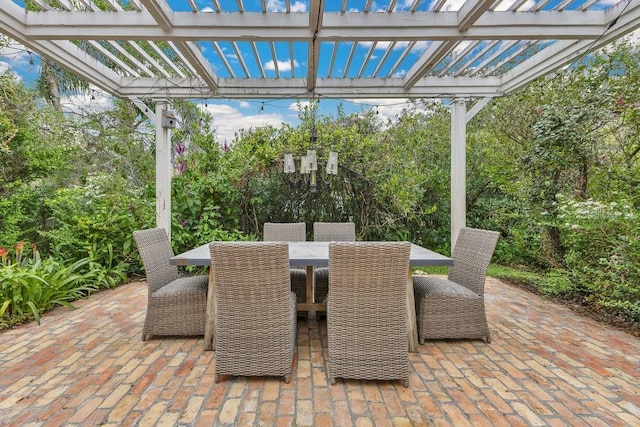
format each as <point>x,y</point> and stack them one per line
<point>309,161</point>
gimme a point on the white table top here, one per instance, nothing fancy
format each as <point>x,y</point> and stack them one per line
<point>312,254</point>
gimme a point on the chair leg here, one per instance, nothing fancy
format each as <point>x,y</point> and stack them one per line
<point>405,383</point>
<point>332,380</point>
<point>287,378</point>
<point>216,378</point>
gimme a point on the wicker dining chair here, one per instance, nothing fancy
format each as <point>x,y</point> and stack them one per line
<point>255,316</point>
<point>290,232</point>
<point>329,232</point>
<point>175,305</point>
<point>367,311</point>
<point>454,307</point>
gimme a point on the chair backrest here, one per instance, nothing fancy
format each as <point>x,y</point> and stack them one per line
<point>471,256</point>
<point>334,232</point>
<point>284,232</point>
<point>251,278</point>
<point>366,278</point>
<point>155,250</point>
<point>367,308</point>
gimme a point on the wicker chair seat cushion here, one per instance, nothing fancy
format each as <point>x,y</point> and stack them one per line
<point>448,310</point>
<point>434,287</point>
<point>184,285</point>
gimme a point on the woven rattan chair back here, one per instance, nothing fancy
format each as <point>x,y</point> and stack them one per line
<point>334,232</point>
<point>366,313</point>
<point>330,232</point>
<point>471,256</point>
<point>284,232</point>
<point>290,232</point>
<point>155,250</point>
<point>255,309</point>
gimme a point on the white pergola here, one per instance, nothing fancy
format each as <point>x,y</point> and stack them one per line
<point>465,51</point>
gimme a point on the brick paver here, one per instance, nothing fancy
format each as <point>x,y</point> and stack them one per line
<point>545,366</point>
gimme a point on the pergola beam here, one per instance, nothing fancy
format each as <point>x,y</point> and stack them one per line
<point>313,55</point>
<point>471,11</point>
<point>161,12</point>
<point>428,87</point>
<point>202,67</point>
<point>399,26</point>
<point>431,57</point>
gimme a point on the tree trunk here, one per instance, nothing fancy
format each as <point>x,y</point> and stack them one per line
<point>551,247</point>
<point>52,86</point>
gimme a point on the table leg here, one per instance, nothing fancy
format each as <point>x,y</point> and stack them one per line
<point>311,292</point>
<point>412,326</point>
<point>209,326</point>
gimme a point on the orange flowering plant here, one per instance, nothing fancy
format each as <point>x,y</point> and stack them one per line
<point>19,251</point>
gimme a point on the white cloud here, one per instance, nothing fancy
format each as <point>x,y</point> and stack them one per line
<point>282,65</point>
<point>275,6</point>
<point>461,46</point>
<point>403,5</point>
<point>294,105</point>
<point>387,108</point>
<point>92,102</point>
<point>400,73</point>
<point>298,7</point>
<point>506,4</point>
<point>5,68</point>
<point>228,120</point>
<point>19,55</point>
<point>245,104</point>
<point>279,6</point>
<point>453,5</point>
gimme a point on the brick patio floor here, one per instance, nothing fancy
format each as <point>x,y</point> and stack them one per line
<point>545,366</point>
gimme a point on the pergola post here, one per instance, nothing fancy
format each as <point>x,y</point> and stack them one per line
<point>163,171</point>
<point>458,167</point>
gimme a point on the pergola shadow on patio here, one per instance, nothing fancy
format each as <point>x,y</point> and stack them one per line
<point>545,366</point>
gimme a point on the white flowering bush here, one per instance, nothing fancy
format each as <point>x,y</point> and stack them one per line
<point>602,253</point>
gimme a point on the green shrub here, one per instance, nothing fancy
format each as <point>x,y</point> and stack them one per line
<point>99,216</point>
<point>557,282</point>
<point>602,251</point>
<point>29,285</point>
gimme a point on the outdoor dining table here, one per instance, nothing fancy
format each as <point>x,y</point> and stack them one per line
<point>311,255</point>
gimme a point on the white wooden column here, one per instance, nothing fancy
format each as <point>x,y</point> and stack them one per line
<point>163,172</point>
<point>458,167</point>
